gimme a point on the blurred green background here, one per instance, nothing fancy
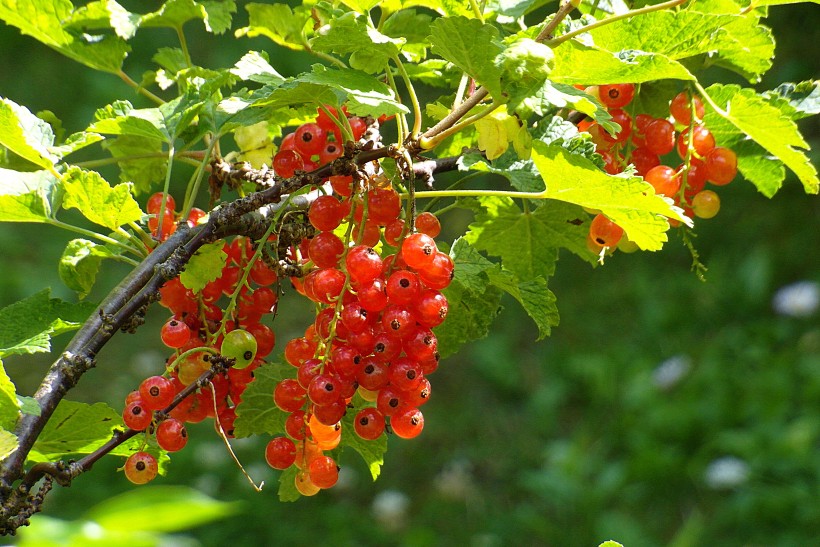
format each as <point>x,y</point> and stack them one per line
<point>662,411</point>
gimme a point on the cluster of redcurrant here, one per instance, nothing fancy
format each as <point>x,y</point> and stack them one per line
<point>316,143</point>
<point>371,334</point>
<point>644,141</point>
<point>200,327</point>
<point>163,225</point>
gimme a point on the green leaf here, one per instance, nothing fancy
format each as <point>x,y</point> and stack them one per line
<point>372,452</point>
<point>74,142</point>
<point>533,295</point>
<point>257,414</point>
<point>29,405</point>
<point>43,20</point>
<point>475,272</point>
<point>739,41</point>
<point>610,543</point>
<point>743,112</point>
<point>80,263</point>
<point>216,14</point>
<point>26,197</point>
<point>412,28</point>
<point>254,66</point>
<point>25,134</point>
<point>521,238</point>
<point>576,63</point>
<point>28,325</point>
<point>159,509</point>
<point>98,201</point>
<point>353,34</point>
<point>362,6</point>
<point>803,97</point>
<point>120,118</point>
<point>287,487</point>
<point>134,158</point>
<point>78,429</point>
<point>470,45</point>
<point>104,14</point>
<point>9,405</point>
<point>472,300</point>
<point>364,94</point>
<point>628,201</point>
<point>205,266</point>
<point>550,97</point>
<point>278,22</point>
<point>8,443</point>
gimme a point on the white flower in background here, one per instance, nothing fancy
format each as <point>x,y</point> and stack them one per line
<point>390,509</point>
<point>669,373</point>
<point>456,480</point>
<point>726,472</point>
<point>799,299</point>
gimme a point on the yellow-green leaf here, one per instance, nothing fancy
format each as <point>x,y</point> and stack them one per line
<point>98,201</point>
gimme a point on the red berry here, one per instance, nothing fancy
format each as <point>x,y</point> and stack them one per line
<point>408,423</point>
<point>418,250</point>
<point>403,287</point>
<point>703,141</point>
<point>660,137</point>
<point>280,453</point>
<point>616,95</point>
<point>323,390</point>
<point>363,264</point>
<point>681,109</point>
<point>431,308</point>
<point>604,232</point>
<point>369,424</point>
<point>171,435</point>
<point>330,152</point>
<point>155,202</point>
<point>428,223</point>
<point>157,392</point>
<point>644,159</point>
<point>323,471</point>
<point>175,334</point>
<point>289,395</point>
<point>664,179</point>
<point>721,166</point>
<point>287,162</point>
<point>325,213</point>
<point>141,467</point>
<point>310,139</point>
<point>136,416</point>
<point>625,121</point>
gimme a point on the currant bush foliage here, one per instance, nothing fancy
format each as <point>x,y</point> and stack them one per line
<point>536,121</point>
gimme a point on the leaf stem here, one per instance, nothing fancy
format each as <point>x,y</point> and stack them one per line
<point>414,133</point>
<point>184,45</point>
<point>90,233</point>
<point>435,141</point>
<point>139,89</point>
<point>603,22</point>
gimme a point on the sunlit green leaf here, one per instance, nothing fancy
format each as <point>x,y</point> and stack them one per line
<point>44,19</point>
<point>750,114</point>
<point>98,201</point>
<point>26,197</point>
<point>628,201</point>
<point>25,134</point>
<point>470,45</point>
<point>279,22</point>
<point>352,34</point>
